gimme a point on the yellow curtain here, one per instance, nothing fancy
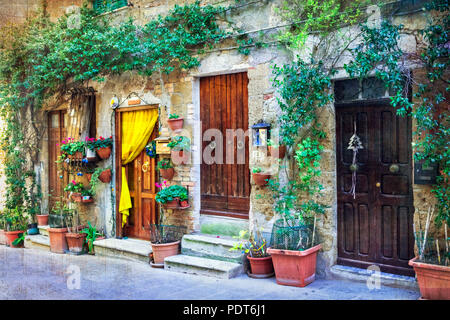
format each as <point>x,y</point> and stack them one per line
<point>137,127</point>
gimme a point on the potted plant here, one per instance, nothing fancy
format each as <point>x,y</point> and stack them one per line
<point>175,122</point>
<point>91,235</point>
<point>255,248</point>
<point>89,146</point>
<point>170,196</point>
<point>86,196</point>
<point>103,147</point>
<point>42,219</point>
<point>16,225</point>
<point>275,150</point>
<point>165,168</point>
<point>105,175</point>
<point>165,241</point>
<point>73,149</point>
<point>75,239</point>
<point>432,264</point>
<point>260,178</point>
<point>57,226</point>
<point>180,150</point>
<point>75,189</point>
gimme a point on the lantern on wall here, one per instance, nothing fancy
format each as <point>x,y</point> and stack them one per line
<point>261,133</point>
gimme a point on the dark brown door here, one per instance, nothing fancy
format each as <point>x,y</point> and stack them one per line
<point>225,187</point>
<point>375,227</point>
<point>141,183</point>
<point>56,133</point>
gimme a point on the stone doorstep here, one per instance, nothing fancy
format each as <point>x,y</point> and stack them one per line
<point>43,230</point>
<point>131,249</point>
<point>362,275</point>
<point>203,266</point>
<point>212,247</point>
<point>37,241</point>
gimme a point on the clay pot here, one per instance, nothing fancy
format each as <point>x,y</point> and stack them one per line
<point>163,250</point>
<point>58,243</point>
<point>277,152</point>
<point>76,196</point>
<point>261,178</point>
<point>167,173</point>
<point>171,204</point>
<point>42,219</point>
<point>105,176</point>
<point>434,280</point>
<point>104,153</point>
<point>89,176</point>
<point>295,268</point>
<point>180,157</point>
<point>261,266</point>
<point>2,237</point>
<point>75,241</point>
<point>11,236</point>
<point>175,124</point>
<point>184,203</point>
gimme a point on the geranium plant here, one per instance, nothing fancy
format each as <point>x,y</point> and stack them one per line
<point>103,143</point>
<point>69,146</point>
<point>165,163</point>
<point>173,116</point>
<point>180,143</point>
<point>169,193</point>
<point>73,186</point>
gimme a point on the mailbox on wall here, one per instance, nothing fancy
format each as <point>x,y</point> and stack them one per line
<point>425,174</point>
<point>261,133</point>
<point>161,145</point>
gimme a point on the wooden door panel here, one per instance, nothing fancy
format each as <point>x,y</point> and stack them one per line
<point>375,227</point>
<point>224,105</point>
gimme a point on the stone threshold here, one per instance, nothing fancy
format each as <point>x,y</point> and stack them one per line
<point>133,249</point>
<point>362,275</point>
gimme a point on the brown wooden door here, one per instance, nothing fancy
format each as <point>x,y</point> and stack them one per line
<point>56,133</point>
<point>376,226</point>
<point>225,188</point>
<point>141,177</point>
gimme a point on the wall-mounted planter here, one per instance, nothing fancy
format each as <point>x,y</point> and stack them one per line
<point>180,157</point>
<point>174,204</point>
<point>42,219</point>
<point>87,199</point>
<point>104,153</point>
<point>434,280</point>
<point>175,124</point>
<point>11,236</point>
<point>261,178</point>
<point>277,152</point>
<point>167,173</point>
<point>76,196</point>
<point>90,155</point>
<point>76,156</point>
<point>105,176</point>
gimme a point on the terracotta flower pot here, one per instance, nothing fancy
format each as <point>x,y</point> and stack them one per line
<point>434,280</point>
<point>277,152</point>
<point>58,243</point>
<point>11,236</point>
<point>261,178</point>
<point>75,241</point>
<point>42,219</point>
<point>105,176</point>
<point>104,153</point>
<point>184,203</point>
<point>175,124</point>
<point>167,173</point>
<point>2,237</point>
<point>171,204</point>
<point>163,250</point>
<point>261,266</point>
<point>76,196</point>
<point>295,268</point>
<point>180,157</point>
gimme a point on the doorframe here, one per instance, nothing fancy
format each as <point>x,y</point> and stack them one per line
<point>118,156</point>
<point>379,102</point>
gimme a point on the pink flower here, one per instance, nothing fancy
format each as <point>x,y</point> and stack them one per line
<point>57,144</point>
<point>73,182</point>
<point>158,185</point>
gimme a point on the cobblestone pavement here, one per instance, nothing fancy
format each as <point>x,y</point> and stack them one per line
<point>37,274</point>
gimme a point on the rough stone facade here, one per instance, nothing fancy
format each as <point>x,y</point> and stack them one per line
<point>179,93</point>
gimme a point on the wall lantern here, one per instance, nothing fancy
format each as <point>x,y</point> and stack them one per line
<point>261,133</point>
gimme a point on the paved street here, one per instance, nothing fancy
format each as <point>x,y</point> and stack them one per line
<point>33,274</point>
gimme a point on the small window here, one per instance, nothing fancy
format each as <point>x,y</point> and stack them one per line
<point>102,6</point>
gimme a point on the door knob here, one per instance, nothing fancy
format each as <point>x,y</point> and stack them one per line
<point>145,166</point>
<point>378,184</point>
<point>394,168</point>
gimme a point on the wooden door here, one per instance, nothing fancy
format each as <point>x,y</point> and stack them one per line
<point>57,131</point>
<point>225,187</point>
<point>375,227</point>
<point>141,177</point>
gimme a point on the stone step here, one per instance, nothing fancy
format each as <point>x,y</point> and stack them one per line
<point>37,241</point>
<point>203,266</point>
<point>43,230</point>
<point>211,247</point>
<point>131,249</point>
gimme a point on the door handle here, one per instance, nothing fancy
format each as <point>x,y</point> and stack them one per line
<point>378,184</point>
<point>145,166</point>
<point>394,168</point>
